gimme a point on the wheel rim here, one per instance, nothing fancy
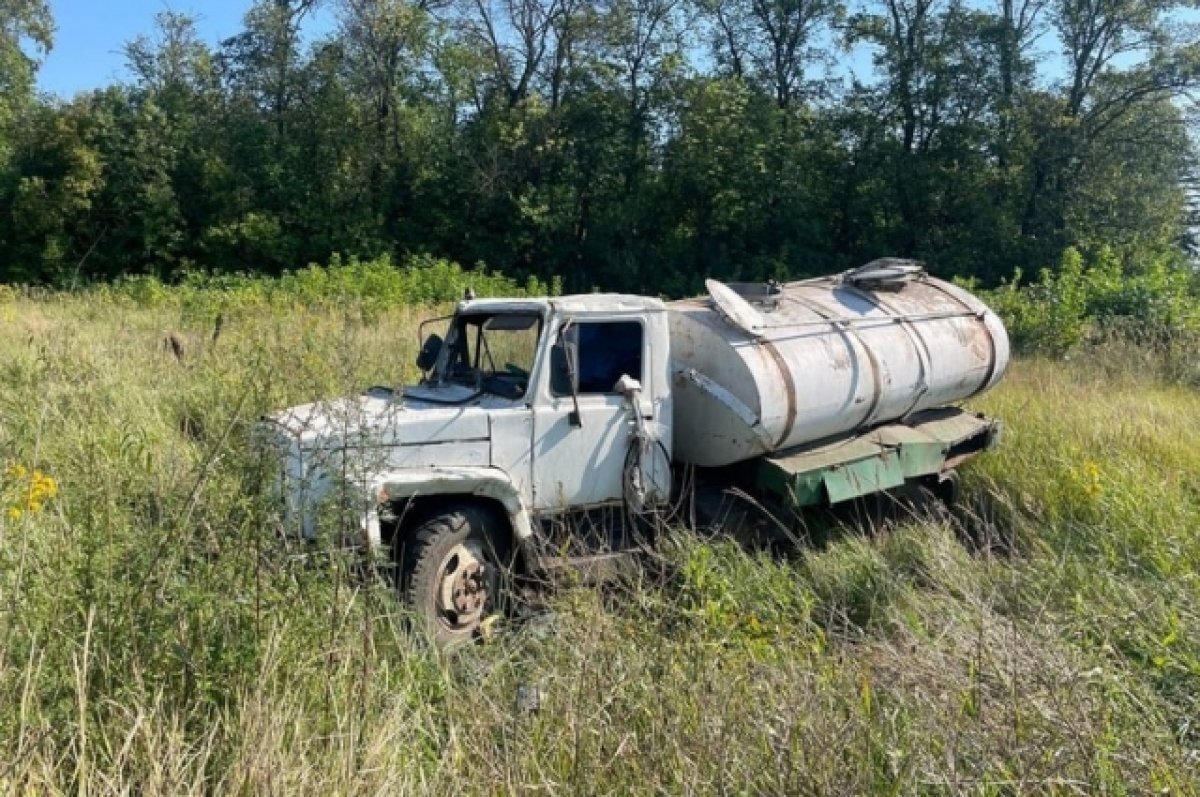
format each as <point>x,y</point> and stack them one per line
<point>466,582</point>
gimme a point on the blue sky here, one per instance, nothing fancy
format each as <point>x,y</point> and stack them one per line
<point>91,33</point>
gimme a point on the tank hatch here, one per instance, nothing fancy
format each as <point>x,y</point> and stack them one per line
<point>734,308</point>
<point>885,274</point>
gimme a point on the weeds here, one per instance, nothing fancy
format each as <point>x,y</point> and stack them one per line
<point>158,637</point>
<point>368,287</point>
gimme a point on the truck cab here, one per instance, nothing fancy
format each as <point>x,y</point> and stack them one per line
<point>527,410</point>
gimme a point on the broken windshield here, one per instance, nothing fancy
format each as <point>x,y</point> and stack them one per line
<point>492,352</point>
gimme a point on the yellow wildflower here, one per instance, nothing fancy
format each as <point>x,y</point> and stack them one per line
<point>41,487</point>
<point>31,489</point>
<point>1089,478</point>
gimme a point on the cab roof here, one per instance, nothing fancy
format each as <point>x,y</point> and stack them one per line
<point>575,304</point>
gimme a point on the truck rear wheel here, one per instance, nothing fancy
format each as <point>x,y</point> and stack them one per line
<point>452,572</point>
<point>948,488</point>
<point>944,487</point>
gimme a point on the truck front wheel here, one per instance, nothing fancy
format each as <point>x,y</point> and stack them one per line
<point>452,572</point>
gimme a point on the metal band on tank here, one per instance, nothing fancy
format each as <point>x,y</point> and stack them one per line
<point>790,387</point>
<point>847,332</point>
<point>776,358</point>
<point>924,355</point>
<point>981,316</point>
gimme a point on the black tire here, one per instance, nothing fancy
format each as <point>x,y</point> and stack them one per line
<point>948,488</point>
<point>941,489</point>
<point>453,571</point>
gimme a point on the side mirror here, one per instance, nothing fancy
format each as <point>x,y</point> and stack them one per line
<point>563,376</point>
<point>431,349</point>
<point>562,369</point>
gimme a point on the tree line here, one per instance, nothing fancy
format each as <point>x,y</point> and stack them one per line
<point>624,144</point>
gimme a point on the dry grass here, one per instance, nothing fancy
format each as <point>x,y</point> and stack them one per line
<point>155,638</point>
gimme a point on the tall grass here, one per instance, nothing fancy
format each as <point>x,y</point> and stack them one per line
<point>156,636</point>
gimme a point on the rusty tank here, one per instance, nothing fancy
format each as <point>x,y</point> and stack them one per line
<point>763,368</point>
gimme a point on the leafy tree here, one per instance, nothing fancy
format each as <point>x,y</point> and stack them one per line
<point>47,232</point>
<point>770,41</point>
<point>516,39</point>
<point>593,139</point>
<point>1018,25</point>
<point>21,22</point>
<point>934,102</point>
<point>1125,60</point>
<point>262,60</point>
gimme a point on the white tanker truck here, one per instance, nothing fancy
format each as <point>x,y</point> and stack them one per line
<point>540,420</point>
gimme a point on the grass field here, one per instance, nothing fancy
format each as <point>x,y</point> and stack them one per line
<point>157,638</point>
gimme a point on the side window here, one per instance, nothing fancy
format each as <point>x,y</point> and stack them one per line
<point>606,351</point>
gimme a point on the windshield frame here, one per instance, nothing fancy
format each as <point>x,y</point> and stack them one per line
<point>478,369</point>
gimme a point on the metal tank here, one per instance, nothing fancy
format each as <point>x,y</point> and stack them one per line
<point>764,368</point>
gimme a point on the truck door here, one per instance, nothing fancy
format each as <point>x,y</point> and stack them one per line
<point>578,465</point>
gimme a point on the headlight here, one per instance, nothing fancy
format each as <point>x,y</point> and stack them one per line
<point>286,471</point>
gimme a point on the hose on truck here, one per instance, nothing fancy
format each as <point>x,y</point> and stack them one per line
<point>643,498</point>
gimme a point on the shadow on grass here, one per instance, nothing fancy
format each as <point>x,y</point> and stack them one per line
<point>983,518</point>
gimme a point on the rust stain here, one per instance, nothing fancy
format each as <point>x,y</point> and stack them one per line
<point>876,383</point>
<point>981,324</point>
<point>850,336</point>
<point>789,385</point>
<point>917,339</point>
<point>839,356</point>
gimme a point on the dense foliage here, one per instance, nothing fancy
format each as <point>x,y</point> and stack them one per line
<point>365,285</point>
<point>617,143</point>
<point>1084,302</point>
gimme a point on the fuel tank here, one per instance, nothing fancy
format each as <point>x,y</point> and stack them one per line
<point>761,368</point>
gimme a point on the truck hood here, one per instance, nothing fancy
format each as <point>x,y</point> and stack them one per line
<point>381,417</point>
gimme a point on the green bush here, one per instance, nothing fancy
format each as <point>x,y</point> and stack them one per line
<point>372,284</point>
<point>1088,300</point>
